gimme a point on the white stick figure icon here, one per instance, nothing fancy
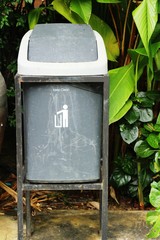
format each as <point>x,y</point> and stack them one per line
<point>62,117</point>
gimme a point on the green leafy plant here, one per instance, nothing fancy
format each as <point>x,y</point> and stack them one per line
<point>13,25</point>
<point>123,78</point>
<point>146,20</point>
<point>149,144</point>
<point>153,217</point>
<point>80,12</point>
<point>144,70</point>
<point>124,176</point>
<point>138,129</point>
<point>137,68</point>
<point>124,171</point>
<point>149,147</point>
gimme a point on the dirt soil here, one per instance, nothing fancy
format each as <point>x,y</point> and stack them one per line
<point>51,200</point>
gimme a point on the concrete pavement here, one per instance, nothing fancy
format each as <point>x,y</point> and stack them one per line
<point>79,225</point>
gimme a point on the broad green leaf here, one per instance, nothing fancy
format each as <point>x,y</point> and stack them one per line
<point>154,48</point>
<point>141,51</point>
<point>146,114</point>
<point>142,149</point>
<point>132,115</point>
<point>155,36</point>
<point>158,119</point>
<point>149,127</point>
<point>108,36</point>
<point>96,23</point>
<point>132,189</point>
<point>157,61</point>
<point>128,165</point>
<point>158,7</point>
<point>157,156</point>
<point>154,195</point>
<point>146,178</point>
<point>129,133</point>
<point>122,111</point>
<point>109,1</point>
<point>139,61</point>
<point>33,16</point>
<point>152,217</point>
<point>144,132</point>
<point>120,178</point>
<point>137,51</point>
<point>64,10</point>
<point>145,17</point>
<point>155,165</point>
<point>155,230</point>
<point>83,8</point>
<point>121,87</point>
<point>153,140</point>
<point>144,100</point>
<point>155,185</point>
<point>157,127</point>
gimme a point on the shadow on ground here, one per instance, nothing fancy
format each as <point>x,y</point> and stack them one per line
<point>79,225</point>
<point>83,224</point>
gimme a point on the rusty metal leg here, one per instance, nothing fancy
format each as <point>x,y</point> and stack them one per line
<point>20,214</point>
<point>19,161</point>
<point>104,191</point>
<point>104,215</point>
<point>28,216</point>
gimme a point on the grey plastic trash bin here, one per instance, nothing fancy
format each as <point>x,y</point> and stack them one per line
<point>62,121</point>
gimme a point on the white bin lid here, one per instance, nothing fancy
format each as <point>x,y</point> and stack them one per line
<point>62,50</point>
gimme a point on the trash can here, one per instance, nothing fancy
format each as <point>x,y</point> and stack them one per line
<point>62,119</point>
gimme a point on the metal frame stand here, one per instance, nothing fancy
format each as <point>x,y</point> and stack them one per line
<point>25,186</point>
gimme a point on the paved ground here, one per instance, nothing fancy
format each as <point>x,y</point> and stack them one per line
<point>79,225</point>
<point>8,228</point>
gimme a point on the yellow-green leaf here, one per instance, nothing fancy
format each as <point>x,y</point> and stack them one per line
<point>121,87</point>
<point>122,112</point>
<point>83,8</point>
<point>145,17</point>
<point>108,36</point>
<point>64,10</point>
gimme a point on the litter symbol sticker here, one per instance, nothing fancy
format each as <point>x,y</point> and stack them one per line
<point>61,118</point>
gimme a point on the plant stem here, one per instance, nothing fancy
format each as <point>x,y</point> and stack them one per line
<point>124,29</point>
<point>149,80</point>
<point>140,188</point>
<point>115,25</point>
<point>136,75</point>
<point>157,62</point>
